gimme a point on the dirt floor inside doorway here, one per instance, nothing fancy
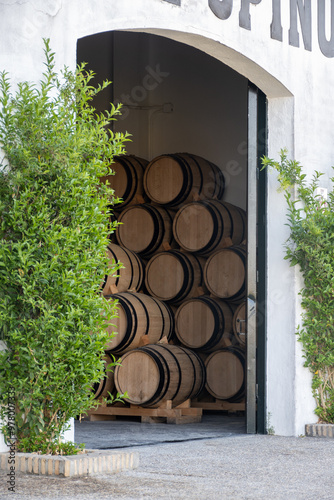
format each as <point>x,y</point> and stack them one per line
<point>125,433</point>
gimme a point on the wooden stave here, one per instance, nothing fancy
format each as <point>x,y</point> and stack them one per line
<point>197,365</point>
<point>239,394</point>
<point>184,190</point>
<point>228,226</point>
<point>244,219</point>
<point>182,375</point>
<point>193,269</point>
<point>207,175</point>
<point>240,294</point>
<point>198,174</point>
<point>136,167</point>
<point>238,215</point>
<point>199,384</point>
<point>180,221</point>
<point>222,332</point>
<point>107,383</point>
<point>139,321</point>
<point>130,277</point>
<point>169,387</point>
<point>162,236</point>
<point>213,175</point>
<point>122,382</point>
<point>183,362</point>
<point>132,168</point>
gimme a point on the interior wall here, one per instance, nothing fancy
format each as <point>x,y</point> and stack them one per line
<point>96,52</point>
<point>178,99</point>
<point>175,99</point>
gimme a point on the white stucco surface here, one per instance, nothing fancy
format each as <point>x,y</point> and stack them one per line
<point>3,446</point>
<point>298,84</point>
<point>68,434</point>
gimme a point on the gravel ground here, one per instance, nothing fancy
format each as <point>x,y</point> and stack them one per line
<point>231,467</point>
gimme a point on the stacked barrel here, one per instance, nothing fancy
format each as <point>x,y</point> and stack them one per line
<point>183,280</point>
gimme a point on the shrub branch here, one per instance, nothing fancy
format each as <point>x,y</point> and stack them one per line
<point>54,228</point>
<point>311,247</point>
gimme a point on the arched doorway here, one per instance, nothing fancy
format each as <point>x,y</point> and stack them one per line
<point>177,98</point>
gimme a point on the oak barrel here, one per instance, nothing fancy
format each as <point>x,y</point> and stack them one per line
<point>129,277</point>
<point>225,374</point>
<point>239,223</point>
<point>205,226</point>
<point>154,374</point>
<point>174,179</point>
<point>145,229</point>
<point>225,274</point>
<point>107,383</point>
<point>127,180</point>
<point>174,276</point>
<point>204,323</point>
<point>240,324</point>
<point>138,315</point>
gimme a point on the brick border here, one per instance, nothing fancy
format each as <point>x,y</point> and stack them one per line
<point>319,430</point>
<point>88,463</point>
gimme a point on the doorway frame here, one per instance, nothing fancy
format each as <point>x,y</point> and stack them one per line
<point>256,262</point>
<point>256,253</point>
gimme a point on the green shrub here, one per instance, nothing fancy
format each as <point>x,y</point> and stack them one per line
<point>54,224</point>
<point>311,246</point>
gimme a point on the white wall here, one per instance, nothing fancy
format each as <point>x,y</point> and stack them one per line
<point>298,84</point>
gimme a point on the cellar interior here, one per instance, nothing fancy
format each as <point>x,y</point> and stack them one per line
<point>181,325</point>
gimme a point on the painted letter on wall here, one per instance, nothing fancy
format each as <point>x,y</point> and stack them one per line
<point>175,2</point>
<point>326,46</point>
<point>305,16</point>
<point>244,15</point>
<point>276,30</point>
<point>221,8</point>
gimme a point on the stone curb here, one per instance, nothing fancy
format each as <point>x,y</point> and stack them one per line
<point>319,430</point>
<point>88,463</point>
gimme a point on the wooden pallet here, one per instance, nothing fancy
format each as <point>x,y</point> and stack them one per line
<point>218,405</point>
<point>182,414</point>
